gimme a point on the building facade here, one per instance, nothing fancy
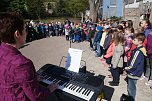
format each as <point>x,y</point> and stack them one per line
<point>136,10</point>
<point>112,8</point>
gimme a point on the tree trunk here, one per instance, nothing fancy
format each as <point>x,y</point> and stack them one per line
<point>94,6</point>
<point>81,16</point>
<point>93,12</point>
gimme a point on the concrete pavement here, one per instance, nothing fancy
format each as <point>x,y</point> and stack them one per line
<point>50,50</point>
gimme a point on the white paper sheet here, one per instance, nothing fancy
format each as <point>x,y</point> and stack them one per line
<point>73,60</point>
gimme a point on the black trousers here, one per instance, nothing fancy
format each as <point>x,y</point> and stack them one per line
<point>91,44</point>
<point>115,74</point>
<point>148,68</point>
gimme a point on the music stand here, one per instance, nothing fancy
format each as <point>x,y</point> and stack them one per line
<point>73,61</point>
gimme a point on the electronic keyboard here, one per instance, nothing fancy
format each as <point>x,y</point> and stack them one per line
<point>80,86</point>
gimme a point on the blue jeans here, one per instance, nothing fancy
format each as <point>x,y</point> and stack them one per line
<point>95,45</point>
<point>87,38</point>
<point>132,87</point>
<point>98,51</point>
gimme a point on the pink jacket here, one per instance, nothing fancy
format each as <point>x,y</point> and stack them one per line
<point>18,81</point>
<point>110,51</point>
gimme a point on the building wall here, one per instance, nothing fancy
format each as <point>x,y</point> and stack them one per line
<point>119,5</point>
<point>132,14</point>
<point>105,8</point>
<point>133,11</point>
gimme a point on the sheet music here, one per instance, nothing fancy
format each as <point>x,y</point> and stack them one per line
<point>73,60</point>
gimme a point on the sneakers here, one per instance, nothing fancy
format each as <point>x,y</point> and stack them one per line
<point>96,55</point>
<point>149,83</point>
<point>142,77</point>
<point>106,65</point>
<point>112,83</point>
<point>93,49</point>
<point>109,76</point>
<point>102,59</point>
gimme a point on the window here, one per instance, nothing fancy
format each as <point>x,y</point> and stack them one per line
<point>112,2</point>
<point>113,11</point>
<point>130,1</point>
<point>138,0</point>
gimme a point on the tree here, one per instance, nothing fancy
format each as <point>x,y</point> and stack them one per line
<point>59,8</point>
<point>94,6</point>
<point>4,5</point>
<point>17,6</point>
<point>55,7</point>
<point>35,9</point>
<point>74,7</point>
<point>67,7</point>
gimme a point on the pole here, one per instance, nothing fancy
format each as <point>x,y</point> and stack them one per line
<point>70,43</point>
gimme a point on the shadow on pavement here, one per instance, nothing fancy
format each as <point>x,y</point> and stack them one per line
<point>24,46</point>
<point>108,92</point>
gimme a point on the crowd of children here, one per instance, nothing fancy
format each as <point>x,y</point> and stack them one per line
<point>126,51</point>
<point>120,47</point>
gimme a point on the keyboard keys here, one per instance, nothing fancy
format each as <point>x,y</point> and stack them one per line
<point>88,92</point>
<point>73,89</point>
<point>78,89</point>
<point>67,85</point>
<point>85,93</point>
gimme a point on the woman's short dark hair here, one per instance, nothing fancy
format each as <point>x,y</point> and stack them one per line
<point>9,23</point>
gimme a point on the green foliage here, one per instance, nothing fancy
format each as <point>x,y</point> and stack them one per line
<point>115,18</point>
<point>74,7</point>
<point>17,6</point>
<point>4,5</point>
<point>35,9</point>
<point>57,6</point>
<point>67,7</point>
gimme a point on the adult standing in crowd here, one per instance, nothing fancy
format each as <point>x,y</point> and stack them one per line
<point>146,25</point>
<point>149,58</point>
<point>18,79</point>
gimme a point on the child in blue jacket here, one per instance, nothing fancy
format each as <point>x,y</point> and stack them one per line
<point>136,64</point>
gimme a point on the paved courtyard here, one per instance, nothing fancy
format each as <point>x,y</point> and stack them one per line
<point>50,51</point>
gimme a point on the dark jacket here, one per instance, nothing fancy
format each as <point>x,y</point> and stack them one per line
<point>98,36</point>
<point>18,81</point>
<point>147,31</point>
<point>107,41</point>
<point>136,63</point>
<point>149,46</point>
